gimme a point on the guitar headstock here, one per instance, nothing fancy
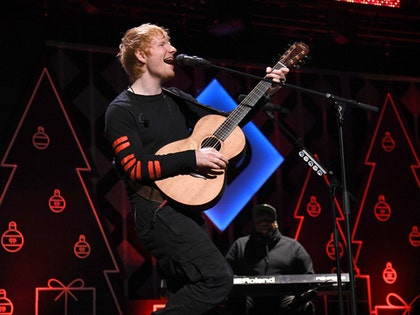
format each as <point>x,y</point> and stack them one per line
<point>294,55</point>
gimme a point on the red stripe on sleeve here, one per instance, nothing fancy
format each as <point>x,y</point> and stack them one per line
<point>135,173</point>
<point>151,170</point>
<point>119,141</point>
<point>129,165</point>
<point>128,162</point>
<point>138,170</point>
<point>127,159</point>
<point>158,170</point>
<point>121,147</point>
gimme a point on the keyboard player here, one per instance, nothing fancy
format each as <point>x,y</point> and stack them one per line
<point>265,251</point>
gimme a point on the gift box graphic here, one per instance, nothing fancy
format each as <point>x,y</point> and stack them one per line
<point>73,299</point>
<point>395,305</point>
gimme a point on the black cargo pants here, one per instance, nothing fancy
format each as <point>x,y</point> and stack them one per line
<point>197,274</point>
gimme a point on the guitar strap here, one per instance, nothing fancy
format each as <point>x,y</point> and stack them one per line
<point>183,98</point>
<point>186,98</point>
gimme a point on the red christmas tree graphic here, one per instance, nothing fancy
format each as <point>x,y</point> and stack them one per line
<point>386,230</point>
<point>54,255</point>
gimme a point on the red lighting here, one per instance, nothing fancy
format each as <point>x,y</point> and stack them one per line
<point>381,3</point>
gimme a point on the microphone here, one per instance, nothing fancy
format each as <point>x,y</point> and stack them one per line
<point>192,61</point>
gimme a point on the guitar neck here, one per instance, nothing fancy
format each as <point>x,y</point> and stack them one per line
<point>293,55</point>
<point>239,113</point>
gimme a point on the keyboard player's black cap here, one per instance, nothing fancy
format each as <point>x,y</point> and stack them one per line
<point>265,209</point>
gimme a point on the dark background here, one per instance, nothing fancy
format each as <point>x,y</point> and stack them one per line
<point>358,51</point>
<point>342,36</point>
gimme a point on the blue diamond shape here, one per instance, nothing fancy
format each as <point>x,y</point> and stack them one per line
<point>264,160</point>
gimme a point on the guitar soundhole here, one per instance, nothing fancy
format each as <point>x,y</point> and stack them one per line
<point>211,142</point>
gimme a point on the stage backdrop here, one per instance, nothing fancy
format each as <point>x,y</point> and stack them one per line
<point>67,243</point>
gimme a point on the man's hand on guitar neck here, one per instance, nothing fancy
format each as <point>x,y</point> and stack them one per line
<point>210,158</point>
<point>278,75</point>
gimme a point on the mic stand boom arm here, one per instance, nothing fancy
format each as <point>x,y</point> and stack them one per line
<point>333,97</point>
<point>298,88</point>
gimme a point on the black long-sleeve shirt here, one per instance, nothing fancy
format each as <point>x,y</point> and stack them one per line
<point>137,126</point>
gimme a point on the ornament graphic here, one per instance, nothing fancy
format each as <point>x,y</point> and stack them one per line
<point>56,202</point>
<point>53,180</point>
<point>12,240</point>
<point>382,209</point>
<point>414,236</point>
<point>313,207</point>
<point>388,143</point>
<point>40,139</point>
<point>82,248</point>
<point>6,306</point>
<point>389,274</point>
<point>330,248</point>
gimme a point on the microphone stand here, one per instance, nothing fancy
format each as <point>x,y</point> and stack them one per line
<point>316,165</point>
<point>339,104</point>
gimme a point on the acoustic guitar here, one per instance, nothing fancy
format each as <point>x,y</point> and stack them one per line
<point>203,190</point>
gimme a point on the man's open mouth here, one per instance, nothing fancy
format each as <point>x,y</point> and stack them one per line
<point>169,60</point>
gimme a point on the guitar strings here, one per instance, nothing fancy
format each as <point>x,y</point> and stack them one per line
<point>226,128</point>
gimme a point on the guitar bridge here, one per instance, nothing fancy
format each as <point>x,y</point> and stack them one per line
<point>210,175</point>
